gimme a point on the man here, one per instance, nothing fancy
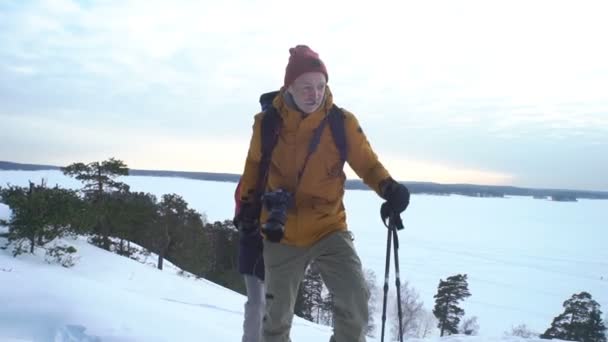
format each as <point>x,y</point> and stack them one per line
<point>313,227</point>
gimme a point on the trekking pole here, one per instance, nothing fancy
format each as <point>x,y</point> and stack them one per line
<point>394,224</point>
<point>386,270</point>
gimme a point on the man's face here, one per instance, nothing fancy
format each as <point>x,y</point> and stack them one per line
<point>308,91</point>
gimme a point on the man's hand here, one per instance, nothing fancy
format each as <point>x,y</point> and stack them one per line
<point>397,196</point>
<point>245,220</point>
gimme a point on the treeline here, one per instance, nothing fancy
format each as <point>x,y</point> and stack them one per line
<point>472,190</point>
<point>581,319</point>
<point>114,217</point>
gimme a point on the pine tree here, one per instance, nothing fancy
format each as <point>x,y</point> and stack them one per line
<point>192,250</point>
<point>172,215</point>
<point>98,177</point>
<point>580,321</point>
<point>133,217</point>
<point>99,180</point>
<point>449,293</point>
<point>223,239</point>
<point>39,215</point>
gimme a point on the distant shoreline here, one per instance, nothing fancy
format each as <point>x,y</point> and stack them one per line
<point>562,195</point>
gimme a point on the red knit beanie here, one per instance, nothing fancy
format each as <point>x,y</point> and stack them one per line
<point>302,60</point>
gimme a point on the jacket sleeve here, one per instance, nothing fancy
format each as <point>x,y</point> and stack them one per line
<point>361,157</point>
<point>252,162</point>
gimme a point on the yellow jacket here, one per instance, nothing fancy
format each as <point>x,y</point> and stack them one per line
<point>319,208</point>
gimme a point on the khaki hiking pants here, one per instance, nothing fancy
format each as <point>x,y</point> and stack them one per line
<point>342,273</point>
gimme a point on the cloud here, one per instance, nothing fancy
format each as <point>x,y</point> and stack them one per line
<point>453,86</point>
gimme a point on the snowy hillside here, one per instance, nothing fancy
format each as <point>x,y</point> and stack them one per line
<point>110,298</point>
<point>117,299</point>
<point>524,257</point>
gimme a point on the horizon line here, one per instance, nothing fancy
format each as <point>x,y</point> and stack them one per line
<point>604,192</point>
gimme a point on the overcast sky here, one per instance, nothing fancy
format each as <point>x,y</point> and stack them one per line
<point>485,92</point>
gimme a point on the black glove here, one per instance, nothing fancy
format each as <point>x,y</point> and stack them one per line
<point>397,197</point>
<point>244,221</point>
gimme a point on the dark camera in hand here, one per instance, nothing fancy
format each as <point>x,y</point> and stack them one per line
<point>277,203</point>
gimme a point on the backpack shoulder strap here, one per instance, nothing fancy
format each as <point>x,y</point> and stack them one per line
<point>336,124</point>
<point>270,130</point>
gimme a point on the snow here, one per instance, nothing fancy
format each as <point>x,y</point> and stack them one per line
<point>116,299</point>
<point>524,257</point>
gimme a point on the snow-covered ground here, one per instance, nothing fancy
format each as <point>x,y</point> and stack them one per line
<point>524,257</point>
<point>115,298</point>
<point>110,298</point>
